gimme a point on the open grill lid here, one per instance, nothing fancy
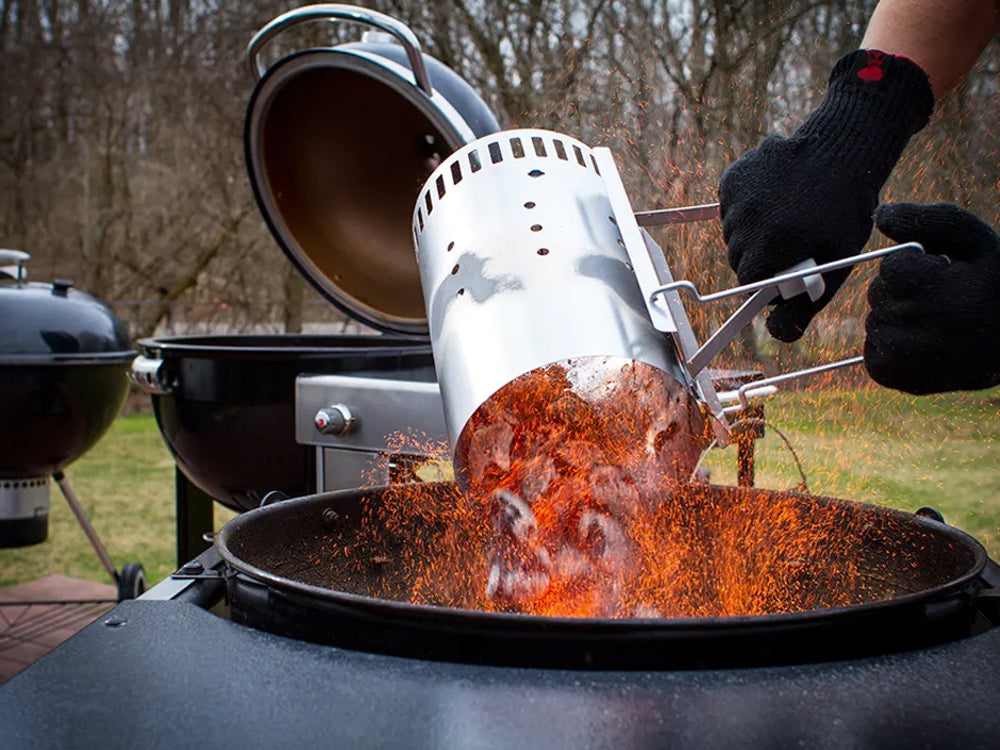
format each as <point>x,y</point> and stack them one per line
<point>47,323</point>
<point>338,142</point>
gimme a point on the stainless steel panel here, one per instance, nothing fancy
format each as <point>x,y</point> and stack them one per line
<point>381,407</point>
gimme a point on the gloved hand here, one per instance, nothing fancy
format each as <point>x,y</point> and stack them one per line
<point>934,323</point>
<point>812,195</point>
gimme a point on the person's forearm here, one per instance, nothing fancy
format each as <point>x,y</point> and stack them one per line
<point>944,37</point>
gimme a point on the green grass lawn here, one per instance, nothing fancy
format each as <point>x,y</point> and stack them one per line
<point>126,485</point>
<point>884,447</point>
<point>876,446</point>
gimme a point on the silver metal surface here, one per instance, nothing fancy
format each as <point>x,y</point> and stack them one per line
<point>12,263</point>
<point>391,419</point>
<point>765,386</point>
<point>652,271</point>
<point>335,419</point>
<point>24,498</point>
<point>523,264</point>
<point>382,407</point>
<point>634,244</point>
<point>663,216</point>
<point>8,256</point>
<point>798,280</point>
<point>686,343</point>
<point>774,281</point>
<point>336,12</point>
<point>145,374</point>
<point>350,469</point>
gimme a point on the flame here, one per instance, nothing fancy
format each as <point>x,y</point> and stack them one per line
<point>576,503</point>
<point>695,551</point>
<point>558,460</point>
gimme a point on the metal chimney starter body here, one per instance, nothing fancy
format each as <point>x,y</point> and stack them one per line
<point>523,265</point>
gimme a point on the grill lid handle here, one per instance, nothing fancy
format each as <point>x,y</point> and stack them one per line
<point>336,12</point>
<point>12,264</point>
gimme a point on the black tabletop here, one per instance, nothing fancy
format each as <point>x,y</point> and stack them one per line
<point>174,675</point>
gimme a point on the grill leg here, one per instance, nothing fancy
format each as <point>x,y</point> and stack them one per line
<point>88,529</point>
<point>194,518</point>
<point>745,461</point>
<point>745,436</point>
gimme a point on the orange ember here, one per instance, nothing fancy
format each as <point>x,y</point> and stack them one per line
<point>695,551</point>
<point>577,502</point>
<point>559,460</point>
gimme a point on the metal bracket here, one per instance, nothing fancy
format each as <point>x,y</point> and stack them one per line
<point>651,272</point>
<point>212,575</point>
<point>634,242</point>
<point>663,216</point>
<point>686,344</point>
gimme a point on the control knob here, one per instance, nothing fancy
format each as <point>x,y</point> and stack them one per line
<point>334,420</point>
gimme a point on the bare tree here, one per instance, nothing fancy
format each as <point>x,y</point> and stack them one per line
<point>121,156</point>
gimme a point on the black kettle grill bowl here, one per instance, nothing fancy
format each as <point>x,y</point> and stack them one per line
<point>63,362</point>
<point>228,417</point>
<point>289,581</point>
<point>53,413</point>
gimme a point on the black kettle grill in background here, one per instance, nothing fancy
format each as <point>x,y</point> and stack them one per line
<point>64,357</point>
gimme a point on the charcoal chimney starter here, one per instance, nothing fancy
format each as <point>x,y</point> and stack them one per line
<point>523,267</point>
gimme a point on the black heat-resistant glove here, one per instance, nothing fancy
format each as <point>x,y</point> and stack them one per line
<point>812,195</point>
<point>934,323</point>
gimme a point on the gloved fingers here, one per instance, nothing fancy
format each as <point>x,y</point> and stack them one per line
<point>761,256</point>
<point>941,228</point>
<point>909,273</point>
<point>896,330</point>
<point>914,345</point>
<point>902,351</point>
<point>895,320</point>
<point>734,184</point>
<point>898,366</point>
<point>789,318</point>
<point>933,323</point>
<point>764,229</point>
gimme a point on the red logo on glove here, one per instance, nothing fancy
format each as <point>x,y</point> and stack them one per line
<point>873,69</point>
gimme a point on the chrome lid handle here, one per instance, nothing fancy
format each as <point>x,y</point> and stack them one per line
<point>13,261</point>
<point>336,12</point>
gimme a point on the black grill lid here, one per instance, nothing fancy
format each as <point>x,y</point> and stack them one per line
<point>53,322</point>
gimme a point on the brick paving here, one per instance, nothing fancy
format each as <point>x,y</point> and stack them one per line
<point>37,616</point>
